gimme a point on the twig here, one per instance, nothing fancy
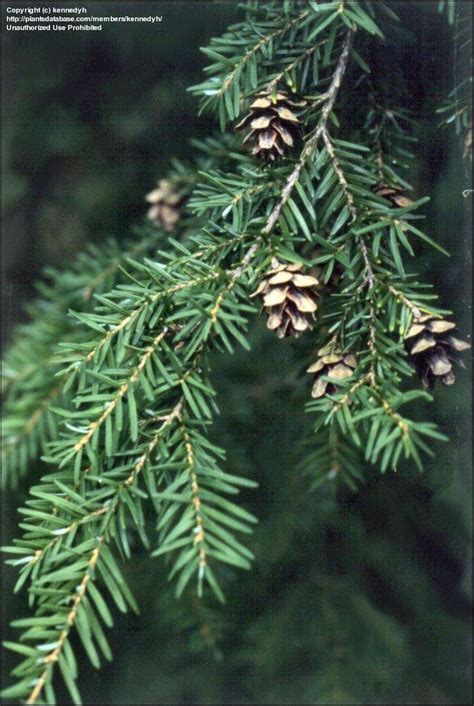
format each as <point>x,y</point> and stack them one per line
<point>54,655</point>
<point>395,416</point>
<point>14,439</point>
<point>199,532</point>
<point>123,390</point>
<point>373,343</point>
<point>350,205</point>
<point>234,275</point>
<point>313,141</point>
<point>265,40</point>
<point>136,312</point>
<point>340,174</point>
<point>347,396</point>
<point>166,421</point>
<point>399,296</point>
<point>274,82</point>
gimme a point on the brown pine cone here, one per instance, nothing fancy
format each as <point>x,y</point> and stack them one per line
<point>289,299</point>
<point>166,201</point>
<point>433,349</point>
<point>393,193</point>
<point>274,125</point>
<point>333,364</point>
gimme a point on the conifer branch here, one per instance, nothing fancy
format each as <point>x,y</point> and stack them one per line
<point>123,390</point>
<point>33,421</point>
<point>350,203</point>
<point>401,297</point>
<point>32,380</point>
<point>271,85</point>
<point>148,303</point>
<point>136,397</point>
<point>199,533</point>
<point>311,144</point>
<point>109,510</point>
<point>54,656</point>
<point>264,41</point>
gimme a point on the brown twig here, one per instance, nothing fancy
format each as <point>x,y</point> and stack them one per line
<point>199,533</point>
<point>350,204</point>
<point>313,141</point>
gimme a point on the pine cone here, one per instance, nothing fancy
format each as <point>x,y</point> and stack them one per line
<point>393,193</point>
<point>166,203</point>
<point>288,298</point>
<point>333,364</point>
<point>274,124</point>
<point>433,349</point>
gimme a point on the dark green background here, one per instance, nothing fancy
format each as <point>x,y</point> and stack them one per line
<point>90,122</point>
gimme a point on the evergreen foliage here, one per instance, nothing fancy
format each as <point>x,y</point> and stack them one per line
<point>111,384</point>
<point>30,380</point>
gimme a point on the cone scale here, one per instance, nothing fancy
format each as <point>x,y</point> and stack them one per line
<point>274,124</point>
<point>289,299</point>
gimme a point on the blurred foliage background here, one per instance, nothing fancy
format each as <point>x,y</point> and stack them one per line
<point>354,597</point>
